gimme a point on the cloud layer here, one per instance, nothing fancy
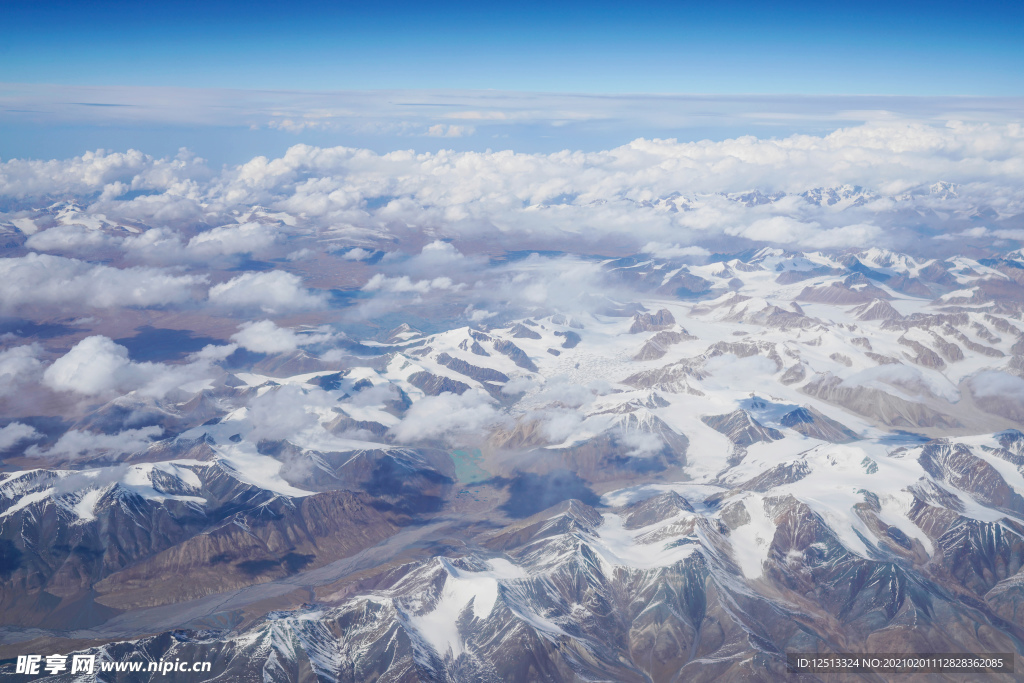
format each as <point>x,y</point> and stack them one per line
<point>847,188</point>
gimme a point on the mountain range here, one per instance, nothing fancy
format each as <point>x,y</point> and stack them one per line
<point>774,451</point>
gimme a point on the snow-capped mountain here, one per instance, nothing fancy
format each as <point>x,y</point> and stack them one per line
<point>778,451</point>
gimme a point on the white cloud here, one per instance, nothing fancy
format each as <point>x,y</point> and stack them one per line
<point>404,284</point>
<point>561,390</point>
<point>97,366</point>
<point>245,238</point>
<point>668,198</point>
<point>272,292</point>
<point>284,411</point>
<point>567,284</point>
<point>164,245</point>
<point>157,245</point>
<point>776,229</point>
<point>375,395</point>
<point>665,250</point>
<point>992,383</point>
<point>266,337</point>
<point>728,370</point>
<point>70,238</point>
<point>518,385</point>
<point>45,280</point>
<point>177,203</point>
<point>441,130</point>
<point>76,443</point>
<point>357,254</point>
<point>87,173</point>
<point>449,416</point>
<point>1009,234</point>
<point>15,433</point>
<point>558,425</point>
<point>858,235</point>
<point>789,230</point>
<point>300,254</point>
<point>640,444</point>
<point>440,258</point>
<point>111,173</point>
<point>293,126</point>
<point>19,367</point>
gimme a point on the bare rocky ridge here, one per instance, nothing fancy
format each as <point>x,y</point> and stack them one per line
<point>740,428</point>
<point>812,423</point>
<point>877,309</point>
<point>652,322</point>
<point>876,404</point>
<point>657,346</point>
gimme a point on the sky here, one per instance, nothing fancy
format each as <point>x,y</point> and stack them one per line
<point>907,48</point>
<point>230,79</point>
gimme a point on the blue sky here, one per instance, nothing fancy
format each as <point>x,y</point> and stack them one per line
<point>232,79</point>
<point>907,48</point>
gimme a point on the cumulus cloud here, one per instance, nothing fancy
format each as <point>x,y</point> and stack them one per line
<point>995,383</point>
<point>535,285</point>
<point>640,444</point>
<point>441,130</point>
<point>245,238</point>
<point>788,230</point>
<point>15,433</point>
<point>437,258</point>
<point>558,425</point>
<point>660,196</point>
<point>475,232</point>
<point>110,172</point>
<point>451,417</point>
<point>519,385</point>
<point>282,412</point>
<point>664,250</point>
<point>19,366</point>
<point>404,284</point>
<point>272,292</point>
<point>76,443</point>
<point>162,245</point>
<point>561,389</point>
<point>728,370</point>
<point>97,366</point>
<point>357,254</point>
<point>567,284</point>
<point>375,395</point>
<point>265,337</point>
<point>999,393</point>
<point>45,280</point>
<point>636,187</point>
<point>70,238</point>
<point>852,187</point>
<point>297,126</point>
<point>179,203</point>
